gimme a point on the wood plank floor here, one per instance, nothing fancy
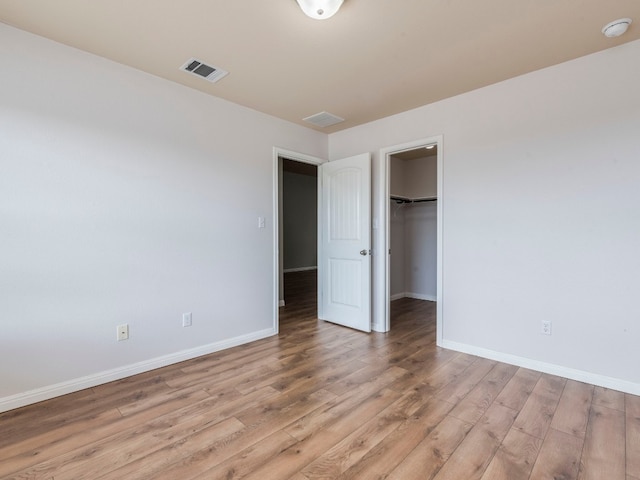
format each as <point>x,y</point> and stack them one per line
<point>323,402</point>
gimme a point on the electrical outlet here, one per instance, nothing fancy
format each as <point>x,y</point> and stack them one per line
<point>546,327</point>
<point>186,319</point>
<point>123,332</point>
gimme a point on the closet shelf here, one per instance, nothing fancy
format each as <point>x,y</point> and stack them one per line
<point>399,199</point>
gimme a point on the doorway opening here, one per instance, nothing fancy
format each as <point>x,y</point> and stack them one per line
<point>295,231</point>
<point>299,223</point>
<point>413,230</point>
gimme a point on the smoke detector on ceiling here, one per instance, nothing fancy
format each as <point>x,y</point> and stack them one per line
<point>201,69</point>
<point>323,119</point>
<point>616,28</point>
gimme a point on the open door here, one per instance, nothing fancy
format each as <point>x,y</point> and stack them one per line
<point>344,259</point>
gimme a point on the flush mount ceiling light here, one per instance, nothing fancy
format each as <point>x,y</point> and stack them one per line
<point>616,28</point>
<point>320,9</point>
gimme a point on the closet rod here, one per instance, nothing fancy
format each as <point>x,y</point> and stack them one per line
<point>408,200</point>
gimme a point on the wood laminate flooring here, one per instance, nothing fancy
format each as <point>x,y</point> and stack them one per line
<point>320,401</point>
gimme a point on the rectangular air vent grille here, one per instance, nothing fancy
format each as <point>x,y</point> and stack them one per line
<point>323,119</point>
<point>201,69</point>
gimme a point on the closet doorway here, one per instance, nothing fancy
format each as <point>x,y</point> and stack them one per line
<point>413,227</point>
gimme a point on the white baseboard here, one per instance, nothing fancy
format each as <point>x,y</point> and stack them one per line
<point>281,303</point>
<point>417,296</point>
<point>63,388</point>
<point>421,296</point>
<point>299,269</point>
<point>571,373</point>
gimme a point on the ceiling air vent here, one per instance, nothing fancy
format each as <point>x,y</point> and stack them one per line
<point>323,119</point>
<point>201,69</point>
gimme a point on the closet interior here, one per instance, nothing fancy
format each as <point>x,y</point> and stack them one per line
<point>413,224</point>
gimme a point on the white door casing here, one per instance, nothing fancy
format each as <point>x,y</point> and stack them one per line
<point>344,260</point>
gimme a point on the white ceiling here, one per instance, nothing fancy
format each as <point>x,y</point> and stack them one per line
<point>373,59</point>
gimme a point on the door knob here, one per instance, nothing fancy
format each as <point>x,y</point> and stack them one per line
<point>363,252</point>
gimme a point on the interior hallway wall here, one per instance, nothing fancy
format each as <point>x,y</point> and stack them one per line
<point>300,218</point>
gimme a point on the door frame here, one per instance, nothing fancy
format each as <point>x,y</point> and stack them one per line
<point>384,188</point>
<point>298,157</point>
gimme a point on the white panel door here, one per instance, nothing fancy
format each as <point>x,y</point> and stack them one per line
<point>344,266</point>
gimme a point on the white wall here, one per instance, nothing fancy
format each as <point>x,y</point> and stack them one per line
<point>300,220</point>
<point>420,177</point>
<point>540,196</point>
<point>414,178</point>
<point>125,198</point>
<point>413,229</point>
<point>420,252</point>
<point>396,238</point>
<point>396,177</point>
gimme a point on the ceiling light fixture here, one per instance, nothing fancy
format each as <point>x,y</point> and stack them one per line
<point>320,9</point>
<point>616,28</point>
